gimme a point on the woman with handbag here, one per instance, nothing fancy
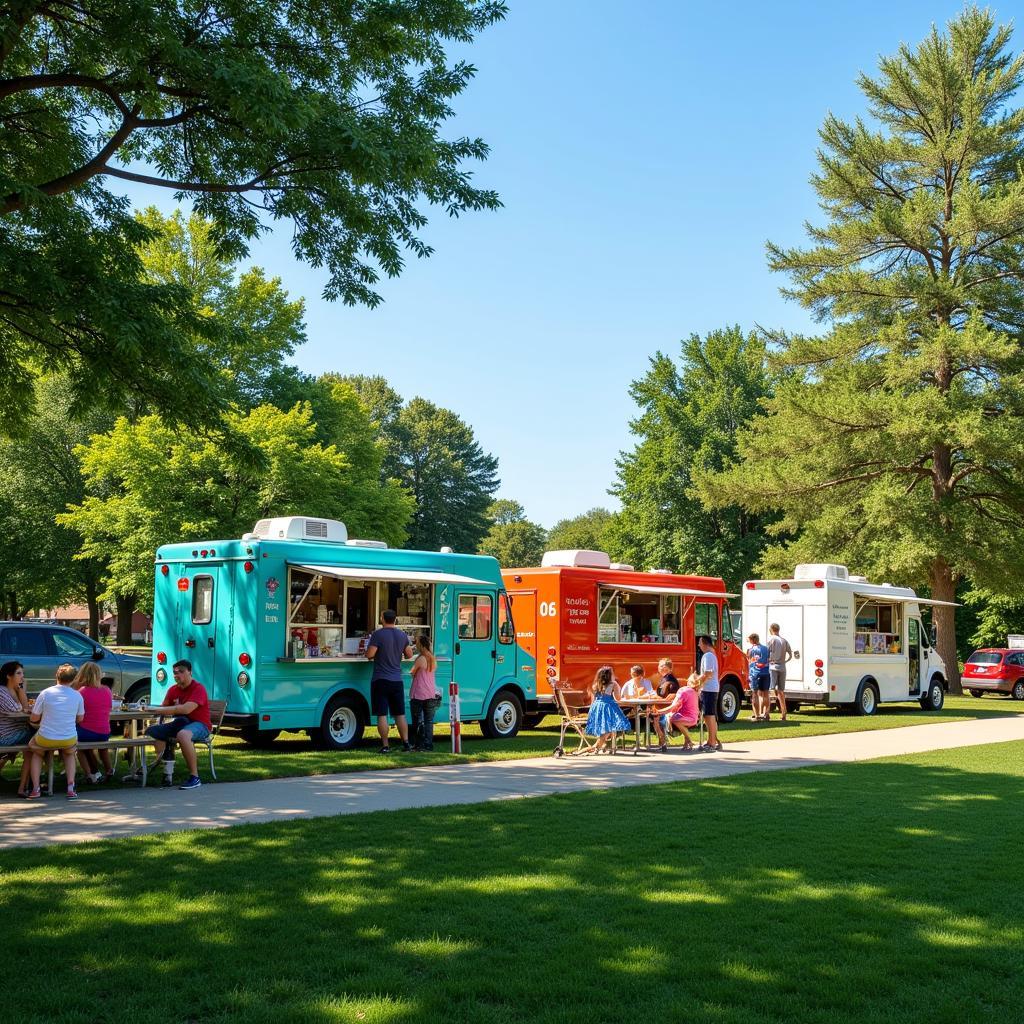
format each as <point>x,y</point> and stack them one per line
<point>423,696</point>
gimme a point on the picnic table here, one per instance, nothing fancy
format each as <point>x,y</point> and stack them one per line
<point>644,706</point>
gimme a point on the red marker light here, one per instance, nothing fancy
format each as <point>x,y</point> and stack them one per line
<point>165,569</point>
<point>204,552</point>
<point>551,661</point>
<point>552,650</point>
<point>212,552</point>
<point>750,586</point>
<point>183,583</point>
<point>784,588</point>
<point>819,663</point>
<point>161,658</point>
<point>819,583</point>
<point>248,567</point>
<point>818,672</point>
<point>244,660</point>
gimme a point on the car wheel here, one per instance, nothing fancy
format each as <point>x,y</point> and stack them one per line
<point>504,716</point>
<point>728,703</point>
<point>1017,693</point>
<point>342,725</point>
<point>867,699</point>
<point>262,739</point>
<point>977,693</point>
<point>935,696</point>
<point>139,693</point>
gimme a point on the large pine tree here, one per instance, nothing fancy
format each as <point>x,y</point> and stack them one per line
<point>896,441</point>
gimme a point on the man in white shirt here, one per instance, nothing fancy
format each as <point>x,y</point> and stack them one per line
<point>709,691</point>
<point>57,711</point>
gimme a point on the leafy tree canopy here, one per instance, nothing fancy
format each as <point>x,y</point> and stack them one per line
<point>586,532</point>
<point>325,115</point>
<point>512,539</point>
<point>691,411</point>
<point>895,442</point>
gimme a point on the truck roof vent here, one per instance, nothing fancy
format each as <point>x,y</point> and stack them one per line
<point>576,559</point>
<point>820,570</point>
<point>301,528</point>
<point>858,579</point>
<point>662,572</point>
<point>621,567</point>
<point>365,544</point>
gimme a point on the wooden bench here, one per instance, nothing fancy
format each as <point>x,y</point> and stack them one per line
<point>114,743</point>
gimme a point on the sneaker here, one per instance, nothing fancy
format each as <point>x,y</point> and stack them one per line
<point>72,795</point>
<point>192,782</point>
<point>663,748</point>
<point>96,777</point>
<point>384,750</point>
<point>406,748</point>
<point>166,781</point>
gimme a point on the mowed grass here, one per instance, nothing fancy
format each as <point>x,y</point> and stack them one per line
<point>879,891</point>
<point>293,754</point>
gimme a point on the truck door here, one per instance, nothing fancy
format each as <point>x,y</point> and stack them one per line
<point>475,654</point>
<point>705,623</point>
<point>203,601</point>
<point>524,615</point>
<point>790,619</point>
<point>914,655</point>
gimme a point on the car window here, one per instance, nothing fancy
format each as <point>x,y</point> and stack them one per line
<point>72,645</point>
<point>985,658</point>
<point>20,641</point>
<point>1015,659</point>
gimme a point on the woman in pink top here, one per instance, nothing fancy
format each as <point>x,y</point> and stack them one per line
<point>423,695</point>
<point>681,714</point>
<point>95,726</point>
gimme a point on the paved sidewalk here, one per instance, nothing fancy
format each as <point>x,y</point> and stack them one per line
<point>99,815</point>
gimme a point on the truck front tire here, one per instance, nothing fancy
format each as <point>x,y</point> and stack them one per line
<point>504,716</point>
<point>934,697</point>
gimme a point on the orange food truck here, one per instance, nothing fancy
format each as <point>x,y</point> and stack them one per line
<point>580,611</point>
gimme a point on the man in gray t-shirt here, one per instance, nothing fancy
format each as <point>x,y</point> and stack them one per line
<point>388,646</point>
<point>779,652</point>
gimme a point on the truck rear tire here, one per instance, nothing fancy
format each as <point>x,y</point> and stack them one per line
<point>342,726</point>
<point>729,701</point>
<point>504,716</point>
<point>867,700</point>
<point>531,721</point>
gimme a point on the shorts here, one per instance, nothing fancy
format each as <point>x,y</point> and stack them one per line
<point>47,744</point>
<point>17,738</point>
<point>677,720</point>
<point>762,682</point>
<point>709,703</point>
<point>167,731</point>
<point>778,677</point>
<point>387,696</point>
<point>88,736</point>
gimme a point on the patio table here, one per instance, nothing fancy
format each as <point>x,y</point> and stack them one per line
<point>644,706</point>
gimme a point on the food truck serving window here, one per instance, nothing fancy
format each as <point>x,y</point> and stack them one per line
<point>629,617</point>
<point>475,612</point>
<point>202,600</point>
<point>878,629</point>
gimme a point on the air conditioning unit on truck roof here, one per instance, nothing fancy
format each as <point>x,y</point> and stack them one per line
<point>576,559</point>
<point>820,571</point>
<point>299,528</point>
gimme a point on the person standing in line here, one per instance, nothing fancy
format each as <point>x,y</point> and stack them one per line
<point>388,646</point>
<point>779,652</point>
<point>423,695</point>
<point>709,691</point>
<point>57,710</point>
<point>760,680</point>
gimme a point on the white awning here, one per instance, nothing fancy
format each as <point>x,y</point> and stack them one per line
<point>926,600</point>
<point>345,572</point>
<point>686,592</point>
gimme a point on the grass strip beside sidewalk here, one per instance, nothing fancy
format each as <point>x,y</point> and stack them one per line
<point>872,891</point>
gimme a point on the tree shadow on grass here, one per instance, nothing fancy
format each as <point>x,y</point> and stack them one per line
<point>881,890</point>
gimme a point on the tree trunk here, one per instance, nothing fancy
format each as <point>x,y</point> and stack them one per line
<point>944,589</point>
<point>12,604</point>
<point>125,613</point>
<point>93,604</point>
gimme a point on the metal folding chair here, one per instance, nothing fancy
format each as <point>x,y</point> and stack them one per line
<point>572,706</point>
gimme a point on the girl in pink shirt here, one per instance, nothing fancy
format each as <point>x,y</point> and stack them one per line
<point>95,726</point>
<point>423,702</point>
<point>681,714</point>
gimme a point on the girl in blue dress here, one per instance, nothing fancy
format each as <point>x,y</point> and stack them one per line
<point>605,717</point>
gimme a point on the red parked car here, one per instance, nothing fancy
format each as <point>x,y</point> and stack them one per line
<point>995,670</point>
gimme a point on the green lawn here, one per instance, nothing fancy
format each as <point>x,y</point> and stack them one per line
<point>293,754</point>
<point>881,891</point>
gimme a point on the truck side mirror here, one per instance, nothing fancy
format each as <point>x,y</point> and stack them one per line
<point>98,654</point>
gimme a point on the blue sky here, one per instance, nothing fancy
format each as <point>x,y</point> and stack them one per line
<point>644,152</point>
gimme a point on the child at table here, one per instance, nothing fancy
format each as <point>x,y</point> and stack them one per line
<point>95,726</point>
<point>681,714</point>
<point>605,717</point>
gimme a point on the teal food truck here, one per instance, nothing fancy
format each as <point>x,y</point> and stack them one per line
<point>276,625</point>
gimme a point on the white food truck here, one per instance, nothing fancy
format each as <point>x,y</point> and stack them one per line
<point>855,643</point>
